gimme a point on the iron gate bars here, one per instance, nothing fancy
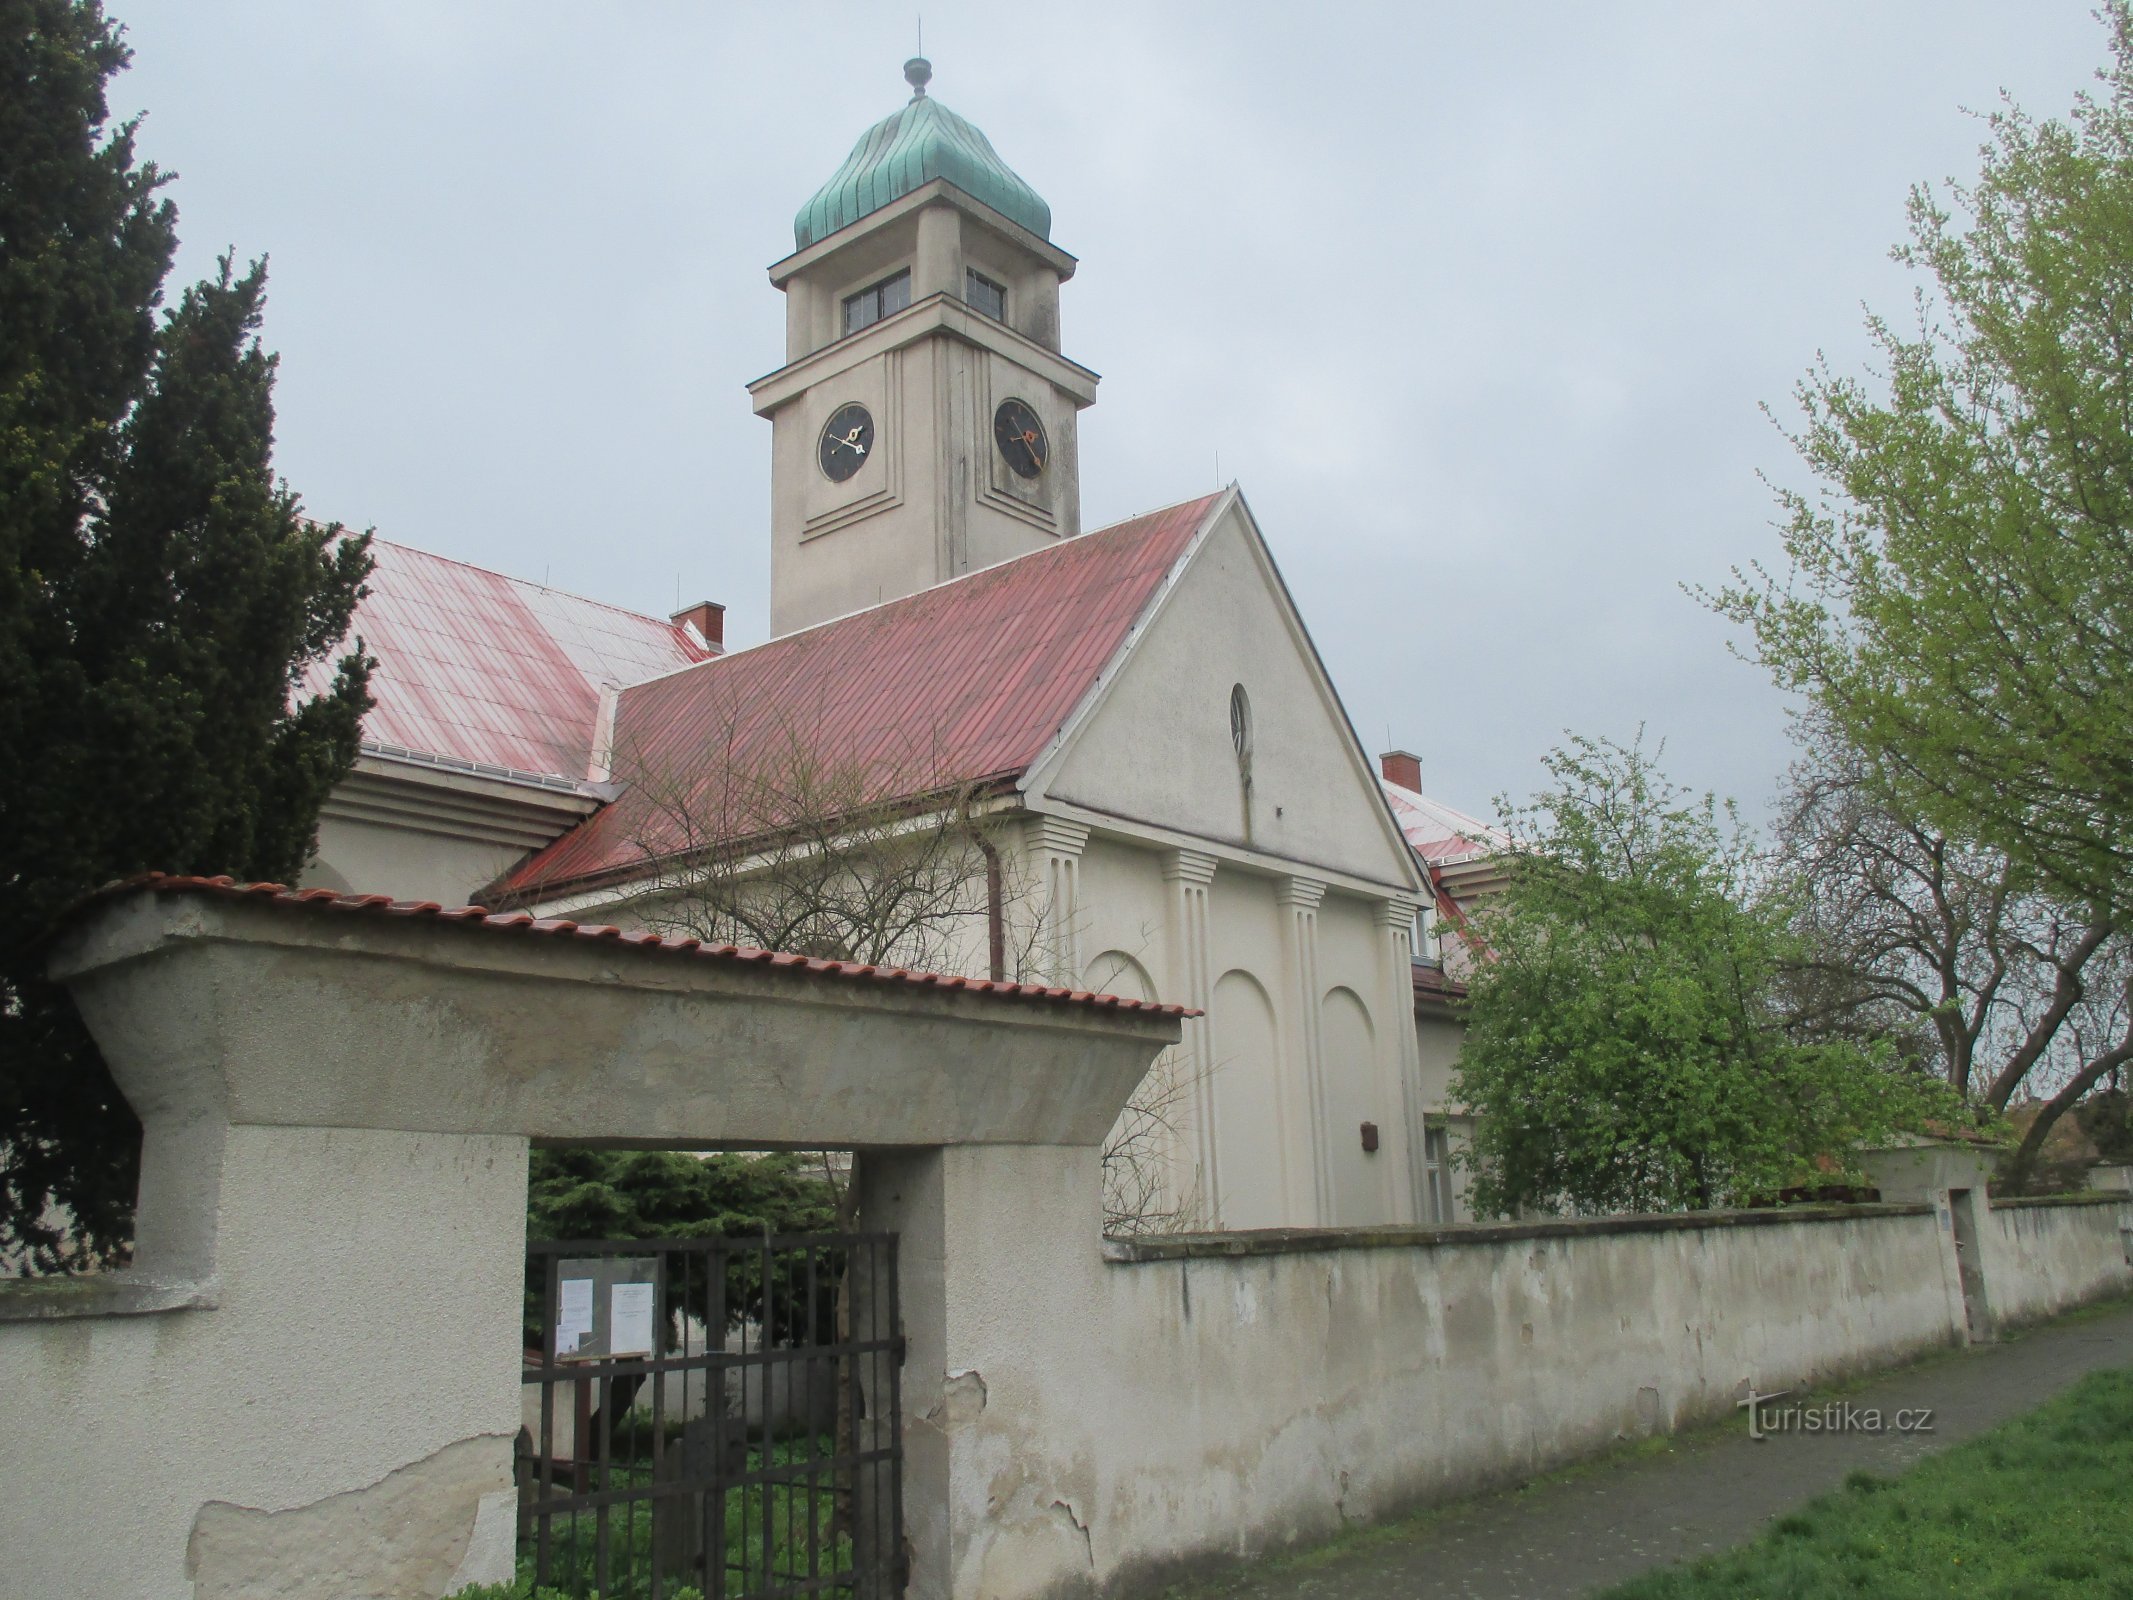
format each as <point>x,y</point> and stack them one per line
<point>713,1418</point>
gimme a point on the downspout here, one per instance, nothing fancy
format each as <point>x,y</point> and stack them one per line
<point>995,911</point>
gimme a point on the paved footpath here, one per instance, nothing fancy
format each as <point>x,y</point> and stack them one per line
<point>1565,1536</point>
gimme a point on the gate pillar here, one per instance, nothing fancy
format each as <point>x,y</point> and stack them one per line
<point>999,1255</point>
<point>311,1377</point>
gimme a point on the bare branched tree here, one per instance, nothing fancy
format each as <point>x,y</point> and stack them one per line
<point>765,837</point>
<point>2008,991</point>
<point>1143,1193</point>
<point>762,832</point>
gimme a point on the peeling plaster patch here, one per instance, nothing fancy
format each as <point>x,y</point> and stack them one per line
<point>1649,1418</point>
<point>963,1398</point>
<point>492,1549</point>
<point>411,1533</point>
<point>1088,1545</point>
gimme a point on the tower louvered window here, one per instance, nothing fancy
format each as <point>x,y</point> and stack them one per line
<point>985,295</point>
<point>870,305</point>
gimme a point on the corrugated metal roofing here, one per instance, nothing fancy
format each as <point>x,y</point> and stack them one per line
<point>964,683</point>
<point>1441,835</point>
<point>907,150</point>
<point>481,668</point>
<point>282,896</point>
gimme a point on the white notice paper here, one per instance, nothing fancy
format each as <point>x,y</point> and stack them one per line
<point>629,1324</point>
<point>574,1317</point>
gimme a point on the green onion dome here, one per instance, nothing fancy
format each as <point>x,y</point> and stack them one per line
<point>903,152</point>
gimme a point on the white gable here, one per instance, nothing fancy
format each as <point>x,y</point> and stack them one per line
<point>1155,745</point>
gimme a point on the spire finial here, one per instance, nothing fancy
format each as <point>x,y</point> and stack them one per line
<point>918,72</point>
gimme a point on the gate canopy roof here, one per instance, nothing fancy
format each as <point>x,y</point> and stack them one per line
<point>216,1002</point>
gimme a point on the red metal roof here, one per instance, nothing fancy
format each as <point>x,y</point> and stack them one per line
<point>330,900</point>
<point>960,684</point>
<point>479,667</point>
<point>1440,835</point>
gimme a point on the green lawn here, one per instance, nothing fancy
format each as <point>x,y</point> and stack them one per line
<point>2039,1508</point>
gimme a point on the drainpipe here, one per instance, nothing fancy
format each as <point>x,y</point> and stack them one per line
<point>995,911</point>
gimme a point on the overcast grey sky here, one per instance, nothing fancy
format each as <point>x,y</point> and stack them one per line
<point>1476,302</point>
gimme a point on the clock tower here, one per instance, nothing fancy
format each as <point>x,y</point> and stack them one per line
<point>923,425</point>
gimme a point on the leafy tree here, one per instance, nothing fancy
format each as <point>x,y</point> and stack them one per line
<point>1961,586</point>
<point>160,593</point>
<point>581,1193</point>
<point>764,835</point>
<point>1627,1045</point>
<point>665,1194</point>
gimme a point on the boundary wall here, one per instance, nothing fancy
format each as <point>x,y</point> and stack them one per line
<point>1215,1396</point>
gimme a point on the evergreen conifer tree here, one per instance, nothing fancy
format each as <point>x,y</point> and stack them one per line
<point>160,594</point>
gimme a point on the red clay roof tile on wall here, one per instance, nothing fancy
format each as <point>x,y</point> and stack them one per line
<point>965,683</point>
<point>512,922</point>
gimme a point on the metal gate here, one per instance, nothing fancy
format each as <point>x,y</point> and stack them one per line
<point>712,1418</point>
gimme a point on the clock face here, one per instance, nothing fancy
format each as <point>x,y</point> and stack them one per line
<point>847,440</point>
<point>1020,436</point>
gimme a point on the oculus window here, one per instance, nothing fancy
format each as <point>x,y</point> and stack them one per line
<point>871,304</point>
<point>985,295</point>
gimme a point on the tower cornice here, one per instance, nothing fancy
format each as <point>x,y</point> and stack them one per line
<point>938,192</point>
<point>937,313</point>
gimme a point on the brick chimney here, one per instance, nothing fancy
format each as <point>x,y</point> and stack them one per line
<point>708,618</point>
<point>1402,767</point>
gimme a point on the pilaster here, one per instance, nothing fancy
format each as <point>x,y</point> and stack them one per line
<point>1397,917</point>
<point>1299,899</point>
<point>1057,844</point>
<point>1186,875</point>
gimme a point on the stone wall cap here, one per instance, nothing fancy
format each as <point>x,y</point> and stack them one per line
<point>2077,1197</point>
<point>1289,1241</point>
<point>126,1293</point>
<point>507,923</point>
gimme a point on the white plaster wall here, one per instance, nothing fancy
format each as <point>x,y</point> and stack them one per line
<point>1250,1402</point>
<point>1440,1038</point>
<point>2044,1256</point>
<point>1123,904</point>
<point>1355,1095</point>
<point>331,1361</point>
<point>1260,1102</point>
<point>1362,1067</point>
<point>1077,1424</point>
<point>1261,1157</point>
<point>1157,749</point>
<point>405,863</point>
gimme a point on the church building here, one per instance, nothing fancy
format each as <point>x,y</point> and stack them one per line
<point>1138,708</point>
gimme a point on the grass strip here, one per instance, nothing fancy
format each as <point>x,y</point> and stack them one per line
<point>2039,1508</point>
